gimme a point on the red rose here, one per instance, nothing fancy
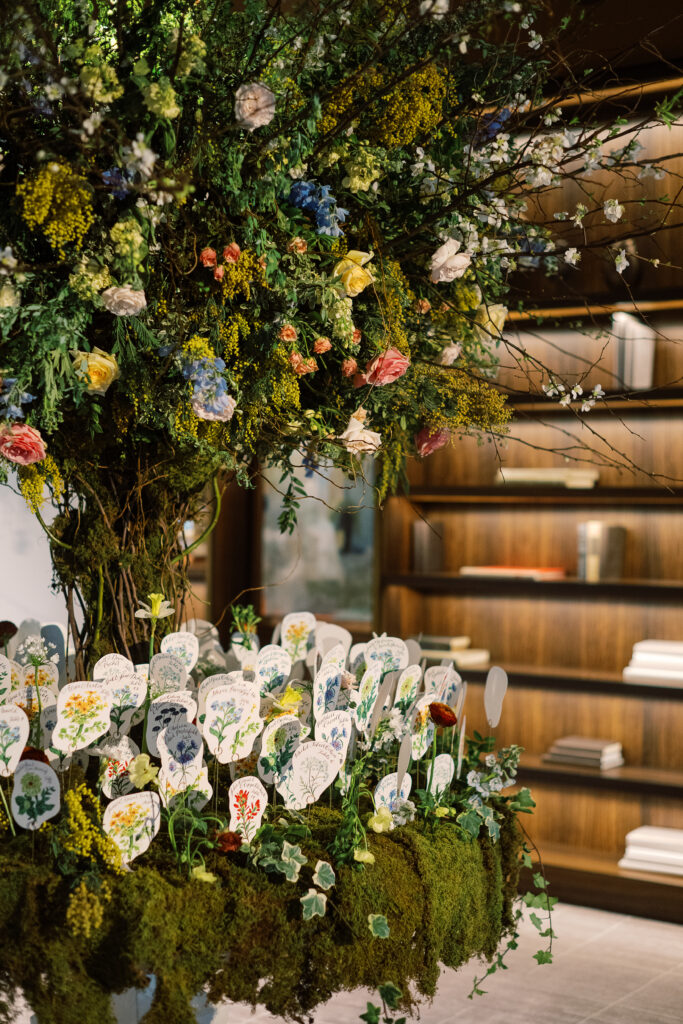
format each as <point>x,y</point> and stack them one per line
<point>429,440</point>
<point>22,444</point>
<point>387,367</point>
<point>228,842</point>
<point>442,714</point>
<point>231,253</point>
<point>207,257</point>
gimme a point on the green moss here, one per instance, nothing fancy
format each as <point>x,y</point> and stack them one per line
<point>446,901</point>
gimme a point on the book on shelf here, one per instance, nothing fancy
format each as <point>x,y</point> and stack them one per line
<point>516,572</point>
<point>653,659</point>
<point>600,550</point>
<point>602,763</point>
<point>446,643</point>
<point>587,745</point>
<point>582,478</point>
<point>654,848</point>
<point>585,752</point>
<point>652,854</point>
<point>672,647</point>
<point>656,662</point>
<point>661,837</point>
<point>631,863</point>
<point>656,676</point>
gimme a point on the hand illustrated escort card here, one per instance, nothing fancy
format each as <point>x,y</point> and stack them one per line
<point>82,715</point>
<point>232,721</point>
<point>297,634</point>
<point>407,688</point>
<point>279,741</point>
<point>326,689</point>
<point>386,791</point>
<point>452,685</point>
<point>181,750</point>
<point>367,697</point>
<point>357,660</point>
<point>494,692</point>
<point>273,666</point>
<point>247,799</point>
<point>335,657</point>
<point>422,728</point>
<point>184,646</point>
<point>127,695</point>
<point>17,672</point>
<point>132,822</point>
<point>116,756</point>
<point>46,675</point>
<point>14,730</point>
<point>164,711</point>
<point>312,769</point>
<point>197,795</point>
<point>390,652</point>
<point>111,664</point>
<point>166,674</point>
<point>5,678</point>
<point>433,679</point>
<point>461,747</point>
<point>205,687</point>
<point>442,775</point>
<point>328,635</point>
<point>35,795</point>
<point>334,728</point>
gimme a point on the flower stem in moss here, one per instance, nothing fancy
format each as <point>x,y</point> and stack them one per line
<point>7,811</point>
<point>431,767</point>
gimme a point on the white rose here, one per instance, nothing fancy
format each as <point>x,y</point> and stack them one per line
<point>9,297</point>
<point>124,301</point>
<point>450,354</point>
<point>437,9</point>
<point>254,106</point>
<point>490,320</point>
<point>357,439</point>
<point>449,264</point>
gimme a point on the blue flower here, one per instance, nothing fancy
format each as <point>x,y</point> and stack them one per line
<point>319,201</point>
<point>117,182</point>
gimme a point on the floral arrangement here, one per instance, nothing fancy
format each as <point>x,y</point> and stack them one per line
<point>234,234</point>
<point>309,770</point>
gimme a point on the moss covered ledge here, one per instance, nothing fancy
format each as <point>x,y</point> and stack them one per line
<point>446,900</point>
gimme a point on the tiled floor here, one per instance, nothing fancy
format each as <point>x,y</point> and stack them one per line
<point>609,969</point>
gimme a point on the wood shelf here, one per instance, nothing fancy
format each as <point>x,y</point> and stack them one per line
<point>596,309</point>
<point>591,879</point>
<point>579,681</point>
<point>662,591</point>
<point>508,494</point>
<point>636,402</point>
<point>656,782</point>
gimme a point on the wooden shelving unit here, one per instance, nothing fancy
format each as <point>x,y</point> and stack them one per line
<point>563,642</point>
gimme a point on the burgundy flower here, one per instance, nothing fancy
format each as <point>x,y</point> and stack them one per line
<point>442,714</point>
<point>228,842</point>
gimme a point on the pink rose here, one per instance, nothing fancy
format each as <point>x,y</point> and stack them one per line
<point>22,444</point>
<point>429,440</point>
<point>288,333</point>
<point>321,345</point>
<point>207,257</point>
<point>231,253</point>
<point>387,367</point>
<point>349,367</point>
<point>219,273</point>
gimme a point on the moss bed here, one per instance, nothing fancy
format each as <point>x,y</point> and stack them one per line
<point>446,901</point>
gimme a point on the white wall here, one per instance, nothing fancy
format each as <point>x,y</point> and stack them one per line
<point>25,568</point>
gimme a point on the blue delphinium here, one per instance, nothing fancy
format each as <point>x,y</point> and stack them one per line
<point>319,201</point>
<point>13,402</point>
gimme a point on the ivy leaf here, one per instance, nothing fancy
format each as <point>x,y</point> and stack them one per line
<point>379,926</point>
<point>470,822</point>
<point>539,880</point>
<point>523,801</point>
<point>526,859</point>
<point>390,994</point>
<point>543,956</point>
<point>314,904</point>
<point>371,1015</point>
<point>324,875</point>
<point>291,861</point>
<point>536,921</point>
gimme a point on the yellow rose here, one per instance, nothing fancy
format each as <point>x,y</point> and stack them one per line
<point>490,320</point>
<point>352,272</point>
<point>97,367</point>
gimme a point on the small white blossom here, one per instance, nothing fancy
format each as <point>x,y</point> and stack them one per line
<point>535,40</point>
<point>579,214</point>
<point>648,171</point>
<point>572,256</point>
<point>614,211</point>
<point>621,262</point>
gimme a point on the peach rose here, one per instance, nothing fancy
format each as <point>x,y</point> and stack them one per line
<point>356,336</point>
<point>218,273</point>
<point>297,245</point>
<point>386,367</point>
<point>302,366</point>
<point>321,345</point>
<point>231,253</point>
<point>349,367</point>
<point>288,333</point>
<point>423,305</point>
<point>429,440</point>
<point>207,257</point>
<point>22,444</point>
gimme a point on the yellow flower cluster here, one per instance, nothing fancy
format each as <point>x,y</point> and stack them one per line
<point>231,332</point>
<point>32,480</point>
<point>58,200</point>
<point>85,911</point>
<point>88,279</point>
<point>395,291</point>
<point>192,53</point>
<point>185,420</point>
<point>84,837</point>
<point>98,80</point>
<point>198,348</point>
<point>464,401</point>
<point>412,108</point>
<point>160,99</point>
<point>128,241</point>
<point>238,276</point>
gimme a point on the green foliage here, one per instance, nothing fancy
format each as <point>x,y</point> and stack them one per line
<point>379,926</point>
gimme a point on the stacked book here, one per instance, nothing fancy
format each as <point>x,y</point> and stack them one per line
<point>586,752</point>
<point>649,848</point>
<point>656,661</point>
<point>515,572</point>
